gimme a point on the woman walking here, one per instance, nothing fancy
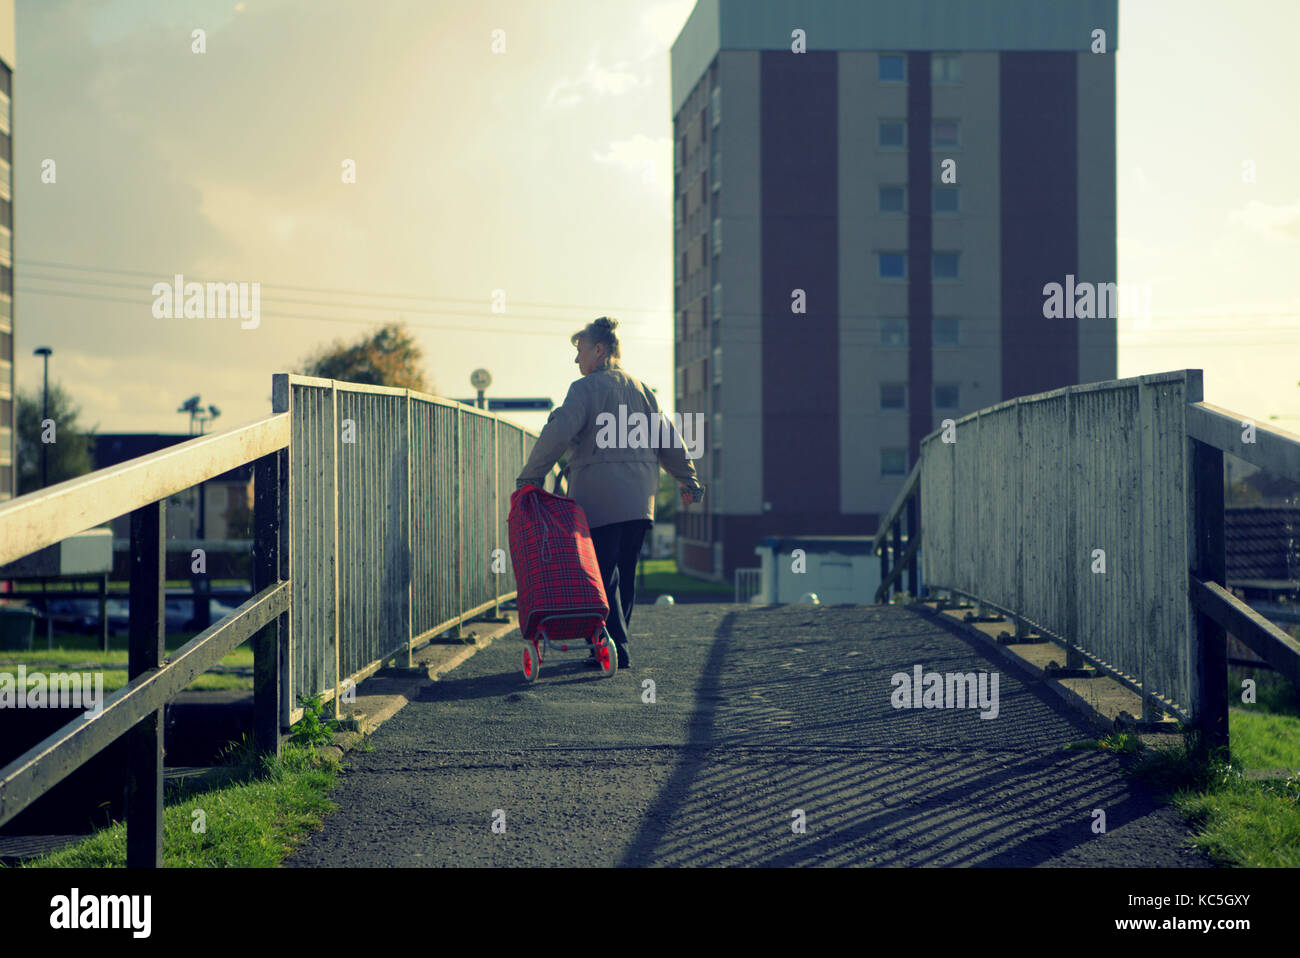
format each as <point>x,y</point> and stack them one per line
<point>613,479</point>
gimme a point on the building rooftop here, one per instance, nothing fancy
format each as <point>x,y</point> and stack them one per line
<point>960,25</point>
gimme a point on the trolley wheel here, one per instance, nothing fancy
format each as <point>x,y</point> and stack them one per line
<point>607,655</point>
<point>532,662</point>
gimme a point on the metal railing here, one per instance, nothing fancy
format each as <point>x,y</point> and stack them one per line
<point>384,508</point>
<point>1079,513</point>
<point>399,506</point>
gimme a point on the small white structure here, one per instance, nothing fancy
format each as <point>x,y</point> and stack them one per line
<point>834,569</point>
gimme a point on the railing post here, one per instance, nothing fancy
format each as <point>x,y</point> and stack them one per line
<point>1021,632</point>
<point>1209,565</point>
<point>144,790</point>
<point>403,659</point>
<point>282,401</point>
<point>268,511</point>
<point>913,524</point>
<point>1149,606</point>
<point>460,520</point>
<point>496,511</point>
<point>1073,660</point>
<point>884,568</point>
<point>897,537</point>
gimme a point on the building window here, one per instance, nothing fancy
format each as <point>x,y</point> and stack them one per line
<point>946,396</point>
<point>893,395</point>
<point>717,302</point>
<point>717,236</point>
<point>893,332</point>
<point>717,364</point>
<point>945,199</point>
<point>944,331</point>
<point>893,199</point>
<point>946,265</point>
<point>717,430</point>
<point>946,133</point>
<point>893,462</point>
<point>715,105</point>
<point>715,167</point>
<point>892,265</point>
<point>893,134</point>
<point>945,68</point>
<point>892,67</point>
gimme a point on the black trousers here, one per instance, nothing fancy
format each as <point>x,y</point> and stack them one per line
<point>617,547</point>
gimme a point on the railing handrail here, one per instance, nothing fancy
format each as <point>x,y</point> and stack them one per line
<point>295,379</point>
<point>64,750</point>
<point>1150,379</point>
<point>41,518</point>
<point>1274,450</point>
<point>900,503</point>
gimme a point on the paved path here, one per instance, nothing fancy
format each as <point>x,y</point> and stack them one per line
<point>758,712</point>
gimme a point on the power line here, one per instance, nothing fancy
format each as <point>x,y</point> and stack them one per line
<point>345,292</point>
<point>845,340</point>
<point>1263,314</point>
<point>1129,323</point>
<point>276,314</point>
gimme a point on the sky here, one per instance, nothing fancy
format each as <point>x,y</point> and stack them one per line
<point>537,178</point>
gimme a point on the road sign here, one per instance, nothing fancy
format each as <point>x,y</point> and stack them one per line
<point>480,379</point>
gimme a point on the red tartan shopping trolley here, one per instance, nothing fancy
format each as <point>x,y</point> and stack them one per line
<point>561,595</point>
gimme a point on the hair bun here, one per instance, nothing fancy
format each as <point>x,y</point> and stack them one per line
<point>606,323</point>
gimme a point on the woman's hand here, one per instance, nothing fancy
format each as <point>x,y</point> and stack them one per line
<point>688,498</point>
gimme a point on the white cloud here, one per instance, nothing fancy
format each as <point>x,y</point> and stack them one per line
<point>596,80</point>
<point>648,158</point>
<point>1275,222</point>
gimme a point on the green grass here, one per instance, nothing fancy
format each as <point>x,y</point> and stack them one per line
<point>1263,740</point>
<point>248,824</point>
<point>661,576</point>
<point>82,653</point>
<point>81,585</point>
<point>1235,820</point>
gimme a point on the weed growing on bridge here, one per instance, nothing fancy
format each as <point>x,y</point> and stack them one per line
<point>310,730</point>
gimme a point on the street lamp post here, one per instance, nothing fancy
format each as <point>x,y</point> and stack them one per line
<point>200,585</point>
<point>45,352</point>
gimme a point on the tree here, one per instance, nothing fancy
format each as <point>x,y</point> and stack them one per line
<point>387,357</point>
<point>69,454</point>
